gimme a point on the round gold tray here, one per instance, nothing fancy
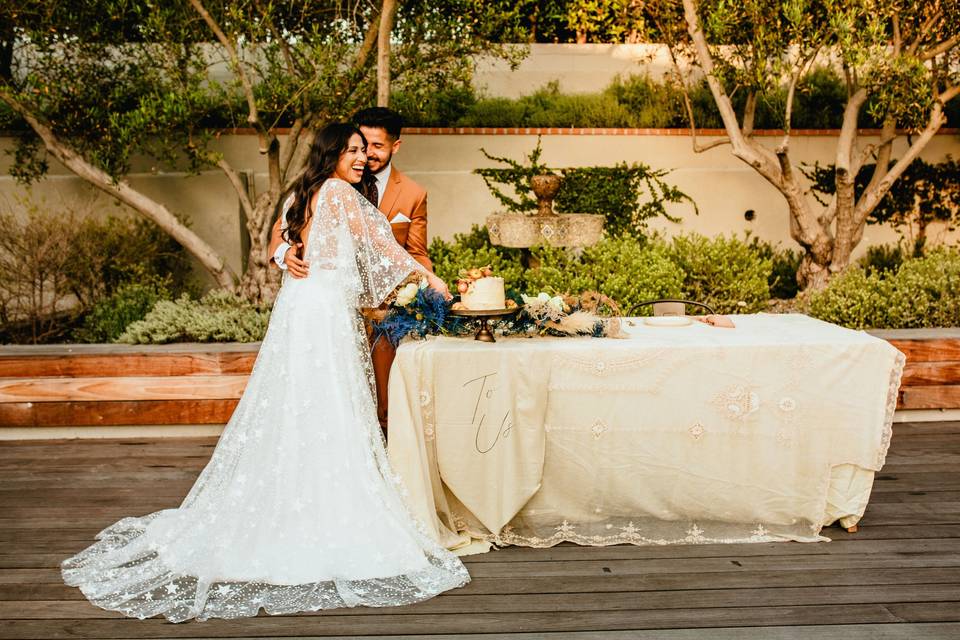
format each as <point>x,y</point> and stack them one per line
<point>484,315</point>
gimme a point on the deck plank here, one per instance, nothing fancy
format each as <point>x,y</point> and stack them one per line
<point>899,577</point>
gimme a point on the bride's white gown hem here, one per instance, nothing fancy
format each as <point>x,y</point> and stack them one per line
<point>297,509</point>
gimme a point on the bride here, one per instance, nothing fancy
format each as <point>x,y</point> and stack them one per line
<point>298,509</point>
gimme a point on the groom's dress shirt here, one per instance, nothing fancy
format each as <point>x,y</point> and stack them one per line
<point>383,181</point>
<point>404,203</point>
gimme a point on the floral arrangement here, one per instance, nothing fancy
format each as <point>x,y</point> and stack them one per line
<point>415,309</point>
<point>588,314</point>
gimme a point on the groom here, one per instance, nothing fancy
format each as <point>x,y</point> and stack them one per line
<point>400,199</point>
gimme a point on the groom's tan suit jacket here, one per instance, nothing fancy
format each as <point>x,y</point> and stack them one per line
<point>402,198</point>
<point>405,198</point>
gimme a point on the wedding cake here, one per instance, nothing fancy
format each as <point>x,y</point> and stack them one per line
<point>481,290</point>
<point>485,293</point>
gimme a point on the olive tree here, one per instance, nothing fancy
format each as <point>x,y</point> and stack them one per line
<point>96,84</point>
<point>899,60</point>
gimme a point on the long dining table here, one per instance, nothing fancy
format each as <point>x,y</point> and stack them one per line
<point>672,435</point>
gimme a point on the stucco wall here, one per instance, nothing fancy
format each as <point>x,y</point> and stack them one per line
<point>722,186</point>
<point>577,68</point>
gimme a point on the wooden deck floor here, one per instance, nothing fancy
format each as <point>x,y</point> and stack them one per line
<point>899,577</point>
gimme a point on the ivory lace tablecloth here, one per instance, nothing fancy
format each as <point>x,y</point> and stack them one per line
<point>691,434</point>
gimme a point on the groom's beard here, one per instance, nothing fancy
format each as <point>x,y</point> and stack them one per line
<point>377,166</point>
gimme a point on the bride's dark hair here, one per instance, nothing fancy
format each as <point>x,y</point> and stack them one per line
<point>329,144</point>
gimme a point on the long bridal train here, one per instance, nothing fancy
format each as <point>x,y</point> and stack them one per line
<point>298,509</point>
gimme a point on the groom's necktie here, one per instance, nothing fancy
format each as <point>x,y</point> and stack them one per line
<point>374,194</point>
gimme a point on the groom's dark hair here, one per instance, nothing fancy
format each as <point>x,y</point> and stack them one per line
<point>380,118</point>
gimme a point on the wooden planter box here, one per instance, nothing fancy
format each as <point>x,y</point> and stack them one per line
<point>199,384</point>
<point>931,379</point>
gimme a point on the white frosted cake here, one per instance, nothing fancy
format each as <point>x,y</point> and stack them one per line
<point>484,294</point>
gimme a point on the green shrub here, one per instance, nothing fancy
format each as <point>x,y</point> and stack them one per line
<point>926,291</point>
<point>705,112</point>
<point>922,292</point>
<point>627,270</point>
<point>130,302</point>
<point>652,104</point>
<point>784,264</point>
<point>819,101</point>
<point>640,101</point>
<point>547,107</point>
<point>107,253</point>
<point>853,299</point>
<point>632,272</point>
<point>435,109</point>
<point>626,195</point>
<point>473,249</point>
<point>494,112</point>
<point>883,258</point>
<point>559,270</point>
<point>219,316</point>
<point>723,272</point>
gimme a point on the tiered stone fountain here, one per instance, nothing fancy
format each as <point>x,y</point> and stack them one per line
<point>545,227</point>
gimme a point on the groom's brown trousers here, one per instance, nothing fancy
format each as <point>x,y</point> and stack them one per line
<point>402,196</point>
<point>382,356</point>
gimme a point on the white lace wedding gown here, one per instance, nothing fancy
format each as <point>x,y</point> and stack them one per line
<point>298,509</point>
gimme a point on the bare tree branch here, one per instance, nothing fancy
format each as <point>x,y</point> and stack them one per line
<point>697,146</point>
<point>366,47</point>
<point>788,107</point>
<point>757,156</point>
<point>238,186</point>
<point>253,117</point>
<point>943,47</point>
<point>293,140</point>
<point>871,198</point>
<point>688,107</point>
<point>887,135</point>
<point>281,42</point>
<point>122,191</point>
<point>299,160</point>
<point>897,40</point>
<point>727,113</point>
<point>922,33</point>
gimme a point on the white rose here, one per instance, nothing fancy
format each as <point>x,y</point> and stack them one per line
<point>556,302</point>
<point>543,297</point>
<point>407,295</point>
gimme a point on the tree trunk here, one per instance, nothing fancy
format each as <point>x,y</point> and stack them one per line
<point>260,281</point>
<point>814,272</point>
<point>387,15</point>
